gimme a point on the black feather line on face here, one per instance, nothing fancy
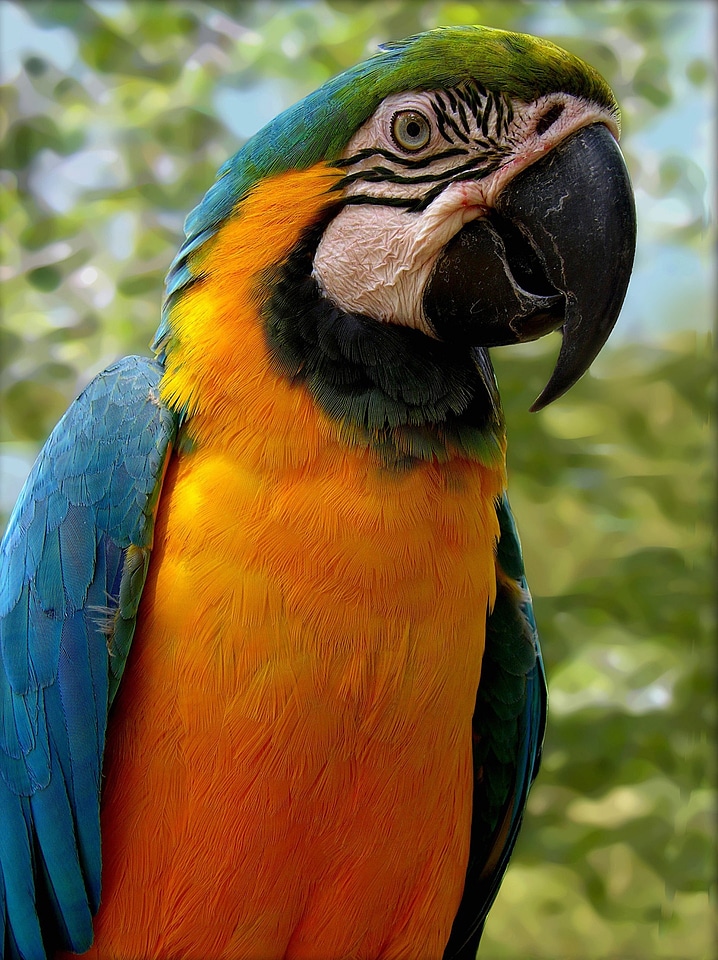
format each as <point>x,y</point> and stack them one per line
<point>385,175</point>
<point>474,100</point>
<point>462,117</point>
<point>408,396</point>
<point>485,119</point>
<point>406,202</point>
<point>452,99</point>
<point>441,121</point>
<point>484,105</point>
<point>401,160</point>
<point>448,120</point>
<point>509,113</point>
<point>499,108</point>
<point>417,204</point>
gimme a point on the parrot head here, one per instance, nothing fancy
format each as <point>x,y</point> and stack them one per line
<point>477,197</point>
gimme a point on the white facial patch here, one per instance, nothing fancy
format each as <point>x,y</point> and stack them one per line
<point>377,260</point>
<point>375,257</point>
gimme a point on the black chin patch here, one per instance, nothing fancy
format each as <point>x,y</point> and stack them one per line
<point>390,387</point>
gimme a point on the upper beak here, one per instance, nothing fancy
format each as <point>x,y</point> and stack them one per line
<point>557,251</point>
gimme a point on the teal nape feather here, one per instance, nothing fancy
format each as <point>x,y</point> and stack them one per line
<point>319,127</point>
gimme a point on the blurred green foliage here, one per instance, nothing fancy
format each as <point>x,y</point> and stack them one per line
<point>115,117</point>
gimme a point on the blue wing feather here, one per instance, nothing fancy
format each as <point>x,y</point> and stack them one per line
<point>77,541</point>
<point>18,880</point>
<point>508,726</point>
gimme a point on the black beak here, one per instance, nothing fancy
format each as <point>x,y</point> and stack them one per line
<point>556,252</point>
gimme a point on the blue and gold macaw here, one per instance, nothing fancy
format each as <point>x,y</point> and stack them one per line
<point>271,685</point>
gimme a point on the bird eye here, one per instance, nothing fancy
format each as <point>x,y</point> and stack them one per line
<point>410,130</point>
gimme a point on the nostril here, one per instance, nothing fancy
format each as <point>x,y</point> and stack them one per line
<point>549,118</point>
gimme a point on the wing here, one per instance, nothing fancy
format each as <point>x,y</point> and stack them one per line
<point>73,560</point>
<point>508,729</point>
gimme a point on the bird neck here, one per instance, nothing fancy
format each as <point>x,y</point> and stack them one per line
<point>253,341</point>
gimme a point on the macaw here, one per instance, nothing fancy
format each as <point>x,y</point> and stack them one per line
<point>271,684</point>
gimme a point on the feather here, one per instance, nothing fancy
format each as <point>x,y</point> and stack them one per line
<point>63,555</point>
<point>53,823</point>
<point>509,723</point>
<point>16,859</point>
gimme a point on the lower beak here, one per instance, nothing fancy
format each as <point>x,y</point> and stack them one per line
<point>556,252</point>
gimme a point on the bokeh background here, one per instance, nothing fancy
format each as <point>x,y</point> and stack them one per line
<point>115,117</point>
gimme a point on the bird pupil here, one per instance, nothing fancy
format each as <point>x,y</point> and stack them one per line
<point>413,129</point>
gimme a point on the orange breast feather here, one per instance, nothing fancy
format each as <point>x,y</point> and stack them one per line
<point>289,760</point>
